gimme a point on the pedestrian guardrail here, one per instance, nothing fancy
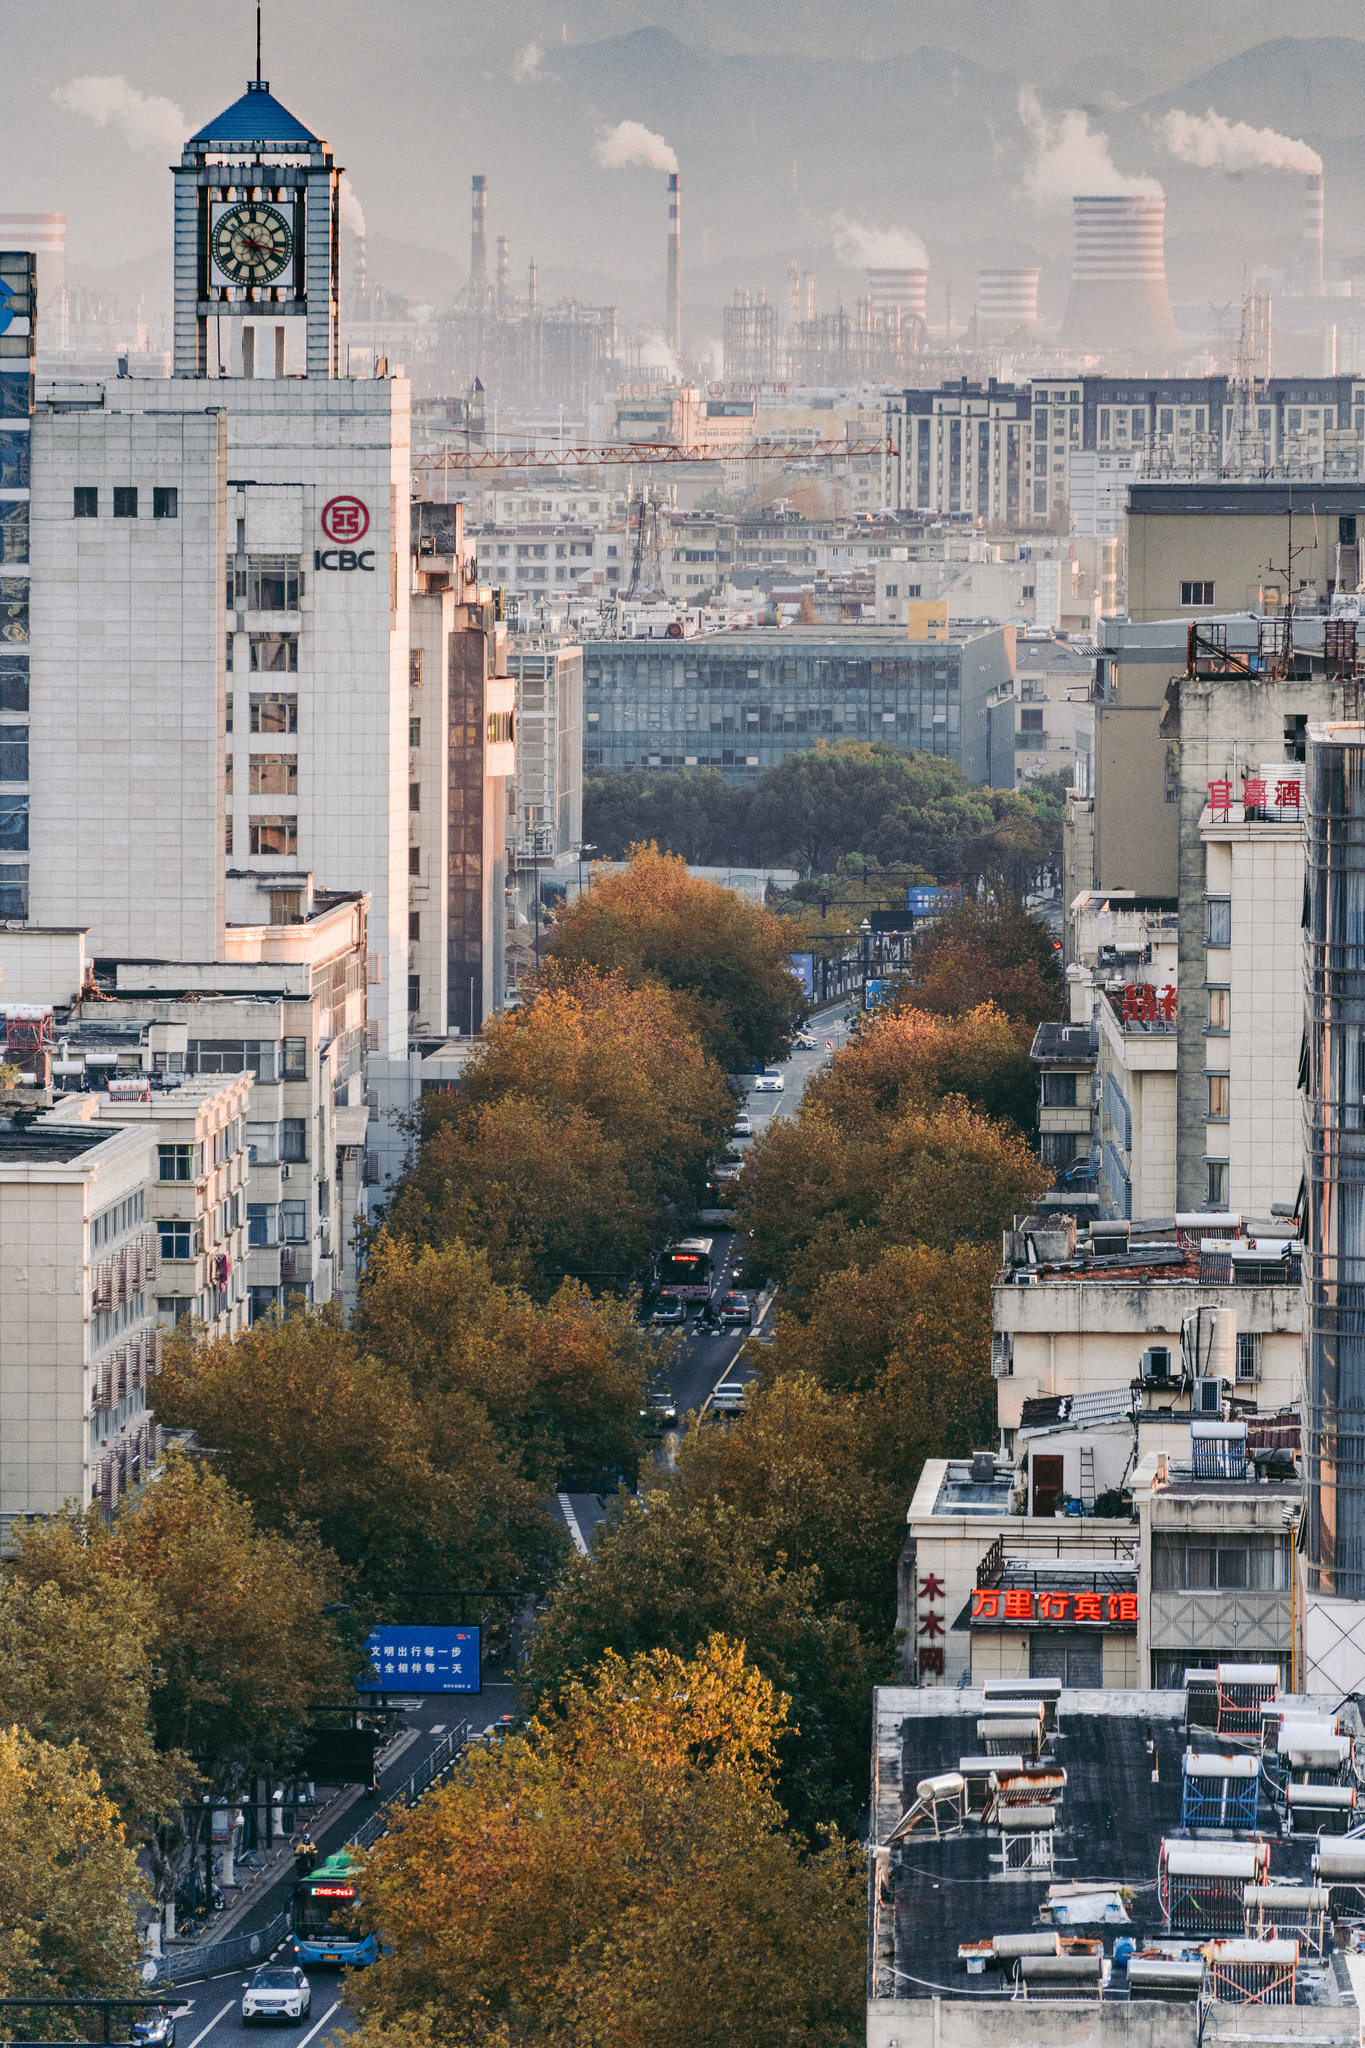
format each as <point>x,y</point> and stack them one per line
<point>187,1965</point>
<point>440,1760</point>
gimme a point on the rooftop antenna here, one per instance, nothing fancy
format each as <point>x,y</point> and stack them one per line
<point>258,41</point>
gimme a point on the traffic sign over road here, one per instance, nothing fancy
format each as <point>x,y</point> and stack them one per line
<point>409,1657</point>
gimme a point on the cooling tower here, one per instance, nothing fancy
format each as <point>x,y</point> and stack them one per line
<point>1118,280</point>
<point>1312,235</point>
<point>1007,302</point>
<point>478,233</point>
<point>673,314</point>
<point>906,290</point>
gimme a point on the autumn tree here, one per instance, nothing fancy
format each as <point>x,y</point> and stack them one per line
<point>621,1874</point>
<point>677,1564</point>
<point>240,1646</point>
<point>69,1884</point>
<point>908,1057</point>
<point>992,952</point>
<point>319,1432</point>
<point>726,961</point>
<point>74,1673</point>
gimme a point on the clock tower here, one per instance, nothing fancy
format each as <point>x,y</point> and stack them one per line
<point>256,237</point>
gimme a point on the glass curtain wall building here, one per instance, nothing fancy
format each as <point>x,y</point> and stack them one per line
<point>1334,1262</point>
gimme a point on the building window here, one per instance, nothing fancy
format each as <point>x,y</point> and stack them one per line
<point>1218,1092</point>
<point>414,860</point>
<point>501,726</point>
<point>294,1222</point>
<point>1220,1005</point>
<point>414,926</point>
<point>1196,593</point>
<point>276,838</point>
<point>262,1223</point>
<point>175,1240</point>
<point>1231,1562</point>
<point>1030,721</point>
<point>414,732</point>
<point>275,653</point>
<point>85,502</point>
<point>165,501</point>
<point>272,583</point>
<point>1218,921</point>
<point>1216,1184</point>
<point>13,753</point>
<point>1248,1356</point>
<point>13,824</point>
<point>1059,1091</point>
<point>13,682</point>
<point>414,994</point>
<point>294,1140</point>
<point>174,1308</point>
<point>125,501</point>
<point>177,1162</point>
<point>274,714</point>
<point>13,891</point>
<point>274,775</point>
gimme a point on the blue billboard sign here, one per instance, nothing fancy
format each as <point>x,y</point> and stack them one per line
<point>803,967</point>
<point>875,992</point>
<point>926,902</point>
<point>410,1658</point>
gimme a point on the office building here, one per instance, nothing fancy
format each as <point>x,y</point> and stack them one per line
<point>741,702</point>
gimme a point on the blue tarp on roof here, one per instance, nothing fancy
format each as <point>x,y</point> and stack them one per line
<point>256,117</point>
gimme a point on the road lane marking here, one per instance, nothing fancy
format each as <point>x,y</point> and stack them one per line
<point>566,1509</point>
<point>314,2030</point>
<point>213,2023</point>
<point>437,1728</point>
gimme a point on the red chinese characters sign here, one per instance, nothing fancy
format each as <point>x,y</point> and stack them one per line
<point>1286,805</point>
<point>930,1626</point>
<point>1144,1004</point>
<point>1002,1605</point>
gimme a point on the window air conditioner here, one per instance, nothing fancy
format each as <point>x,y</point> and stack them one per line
<point>1156,1362</point>
<point>1208,1397</point>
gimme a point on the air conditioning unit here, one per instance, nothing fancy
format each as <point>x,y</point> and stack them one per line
<point>1156,1362</point>
<point>285,1172</point>
<point>1208,1397</point>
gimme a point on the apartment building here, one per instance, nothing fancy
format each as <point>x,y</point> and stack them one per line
<point>963,450</point>
<point>196,1200</point>
<point>78,1315</point>
<point>1201,550</point>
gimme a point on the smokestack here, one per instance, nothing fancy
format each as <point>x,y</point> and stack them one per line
<point>810,294</point>
<point>907,291</point>
<point>673,317</point>
<point>478,233</point>
<point>532,299</point>
<point>1118,295</point>
<point>1312,234</point>
<point>1007,301</point>
<point>502,269</point>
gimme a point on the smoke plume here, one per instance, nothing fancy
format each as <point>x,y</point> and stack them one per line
<point>352,216</point>
<point>147,122</point>
<point>528,63</point>
<point>863,248</point>
<point>630,142</point>
<point>1214,144</point>
<point>1070,157</point>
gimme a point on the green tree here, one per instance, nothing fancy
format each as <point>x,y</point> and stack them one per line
<point>317,1432</point>
<point>69,1884</point>
<point>74,1673</point>
<point>695,814</point>
<point>726,961</point>
<point>621,1875</point>
<point>677,1565</point>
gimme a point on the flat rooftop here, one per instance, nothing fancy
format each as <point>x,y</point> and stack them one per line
<point>40,1144</point>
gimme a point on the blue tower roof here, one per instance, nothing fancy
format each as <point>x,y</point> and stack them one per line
<point>257,118</point>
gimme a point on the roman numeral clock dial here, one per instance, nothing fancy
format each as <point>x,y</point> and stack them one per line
<point>252,243</point>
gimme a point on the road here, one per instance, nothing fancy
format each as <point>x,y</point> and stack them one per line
<point>209,2014</point>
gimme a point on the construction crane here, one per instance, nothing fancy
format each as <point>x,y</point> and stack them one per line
<point>465,459</point>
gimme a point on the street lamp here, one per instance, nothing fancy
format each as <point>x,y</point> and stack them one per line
<point>865,947</point>
<point>586,847</point>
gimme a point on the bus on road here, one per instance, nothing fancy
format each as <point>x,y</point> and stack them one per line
<point>327,1928</point>
<point>685,1270</point>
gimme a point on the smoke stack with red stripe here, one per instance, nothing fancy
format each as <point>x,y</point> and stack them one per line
<point>673,325</point>
<point>1313,234</point>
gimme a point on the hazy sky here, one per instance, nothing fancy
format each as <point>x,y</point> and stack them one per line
<point>415,94</point>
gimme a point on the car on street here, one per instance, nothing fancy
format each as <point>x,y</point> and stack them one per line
<point>742,1128</point>
<point>277,1992</point>
<point>769,1082</point>
<point>804,1041</point>
<point>735,1309</point>
<point>728,1399</point>
<point>670,1313</point>
<point>154,2027</point>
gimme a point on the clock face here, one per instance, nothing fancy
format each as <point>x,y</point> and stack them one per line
<point>252,243</point>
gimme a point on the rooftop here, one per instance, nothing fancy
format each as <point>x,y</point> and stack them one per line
<point>39,1144</point>
<point>1069,1044</point>
<point>256,119</point>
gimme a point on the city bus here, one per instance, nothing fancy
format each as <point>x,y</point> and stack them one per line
<point>327,1928</point>
<point>685,1270</point>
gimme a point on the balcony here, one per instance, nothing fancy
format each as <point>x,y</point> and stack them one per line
<point>296,1265</point>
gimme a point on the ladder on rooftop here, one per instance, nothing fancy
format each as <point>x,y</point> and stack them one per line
<point>1087,1478</point>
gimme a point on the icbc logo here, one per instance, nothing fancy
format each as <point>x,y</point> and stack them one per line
<point>345,520</point>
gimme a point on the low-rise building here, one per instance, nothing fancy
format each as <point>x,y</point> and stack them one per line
<point>1065,1056</point>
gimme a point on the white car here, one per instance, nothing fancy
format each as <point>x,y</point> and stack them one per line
<point>742,1128</point>
<point>278,1991</point>
<point>769,1082</point>
<point>728,1398</point>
